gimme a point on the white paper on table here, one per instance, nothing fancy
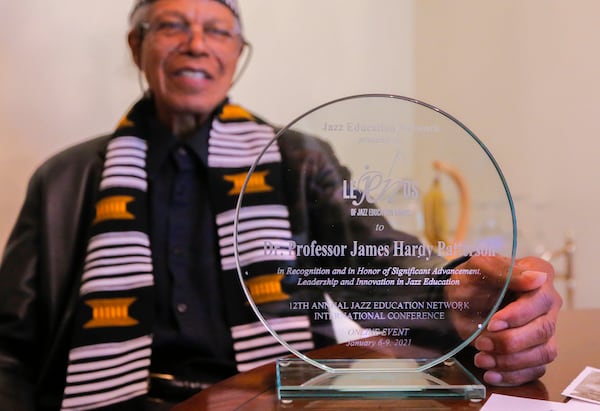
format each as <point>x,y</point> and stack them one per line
<point>577,405</point>
<point>498,402</point>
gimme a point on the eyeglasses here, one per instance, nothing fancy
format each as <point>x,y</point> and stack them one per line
<point>179,30</point>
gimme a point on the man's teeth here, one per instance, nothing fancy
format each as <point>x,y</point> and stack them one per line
<point>193,73</point>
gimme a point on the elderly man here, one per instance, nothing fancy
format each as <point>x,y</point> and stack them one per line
<point>113,289</point>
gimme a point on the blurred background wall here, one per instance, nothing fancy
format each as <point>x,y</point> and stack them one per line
<point>521,74</point>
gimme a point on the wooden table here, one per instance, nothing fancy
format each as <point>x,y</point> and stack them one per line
<point>579,346</point>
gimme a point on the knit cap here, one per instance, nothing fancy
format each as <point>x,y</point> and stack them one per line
<point>230,4</point>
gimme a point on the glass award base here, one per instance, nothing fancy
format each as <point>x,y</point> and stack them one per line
<point>375,378</point>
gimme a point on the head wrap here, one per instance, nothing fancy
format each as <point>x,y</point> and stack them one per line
<point>230,4</point>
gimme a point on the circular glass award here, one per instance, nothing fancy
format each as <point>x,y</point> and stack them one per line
<point>371,224</point>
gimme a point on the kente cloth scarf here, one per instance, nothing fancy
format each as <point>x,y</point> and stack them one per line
<point>109,360</point>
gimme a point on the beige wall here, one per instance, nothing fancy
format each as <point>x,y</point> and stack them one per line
<point>523,75</point>
<point>65,76</point>
<point>520,73</point>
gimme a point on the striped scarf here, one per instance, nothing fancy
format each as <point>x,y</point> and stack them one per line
<point>109,360</point>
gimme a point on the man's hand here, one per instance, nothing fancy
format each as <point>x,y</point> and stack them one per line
<point>519,341</point>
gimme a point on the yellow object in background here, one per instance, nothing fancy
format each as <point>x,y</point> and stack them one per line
<point>435,217</point>
<point>434,214</point>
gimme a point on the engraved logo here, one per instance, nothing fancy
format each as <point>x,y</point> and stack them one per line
<point>373,187</point>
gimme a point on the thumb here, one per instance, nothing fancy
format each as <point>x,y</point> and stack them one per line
<point>527,280</point>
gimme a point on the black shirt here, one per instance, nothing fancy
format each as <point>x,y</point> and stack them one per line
<point>191,336</point>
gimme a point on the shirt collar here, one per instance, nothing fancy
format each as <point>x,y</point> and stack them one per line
<point>161,142</point>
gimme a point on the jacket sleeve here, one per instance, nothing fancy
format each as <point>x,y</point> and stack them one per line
<point>39,274</point>
<point>17,307</point>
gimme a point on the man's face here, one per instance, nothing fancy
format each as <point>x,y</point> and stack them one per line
<point>188,52</point>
